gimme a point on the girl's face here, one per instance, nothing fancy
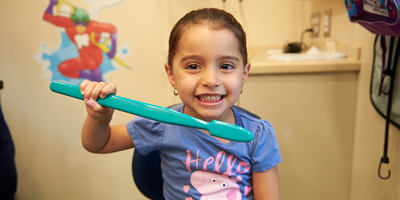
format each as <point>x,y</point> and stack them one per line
<point>208,72</point>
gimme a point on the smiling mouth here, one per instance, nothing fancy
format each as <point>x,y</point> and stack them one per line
<point>210,98</point>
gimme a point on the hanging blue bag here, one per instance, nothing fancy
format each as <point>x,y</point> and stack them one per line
<point>380,17</point>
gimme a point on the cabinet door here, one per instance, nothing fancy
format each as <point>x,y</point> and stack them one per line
<point>313,118</point>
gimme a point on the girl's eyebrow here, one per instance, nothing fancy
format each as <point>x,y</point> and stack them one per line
<point>225,57</point>
<point>190,57</point>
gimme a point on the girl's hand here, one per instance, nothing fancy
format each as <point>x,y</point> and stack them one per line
<point>91,92</point>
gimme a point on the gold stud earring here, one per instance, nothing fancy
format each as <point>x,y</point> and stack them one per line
<point>241,90</point>
<point>176,92</point>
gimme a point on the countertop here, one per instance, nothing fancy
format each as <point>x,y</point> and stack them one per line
<point>261,64</point>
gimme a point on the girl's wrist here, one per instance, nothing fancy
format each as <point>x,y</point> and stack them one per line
<point>100,120</point>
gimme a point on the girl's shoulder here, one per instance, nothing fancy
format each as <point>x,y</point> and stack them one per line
<point>252,122</point>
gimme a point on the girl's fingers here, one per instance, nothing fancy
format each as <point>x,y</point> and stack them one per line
<point>88,90</point>
<point>83,85</point>
<point>108,89</point>
<point>97,90</point>
<point>94,105</point>
<point>93,90</point>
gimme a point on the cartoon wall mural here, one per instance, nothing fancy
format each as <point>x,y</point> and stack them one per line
<point>88,47</point>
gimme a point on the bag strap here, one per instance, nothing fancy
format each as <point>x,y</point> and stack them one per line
<point>384,51</point>
<point>389,70</point>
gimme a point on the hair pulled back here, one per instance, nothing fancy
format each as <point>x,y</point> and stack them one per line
<point>212,17</point>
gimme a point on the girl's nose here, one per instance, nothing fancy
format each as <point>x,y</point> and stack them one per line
<point>211,78</point>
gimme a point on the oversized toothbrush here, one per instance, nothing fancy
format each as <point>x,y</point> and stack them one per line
<point>215,128</point>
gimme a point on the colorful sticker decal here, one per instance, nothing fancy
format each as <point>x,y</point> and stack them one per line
<point>88,47</point>
<point>377,7</point>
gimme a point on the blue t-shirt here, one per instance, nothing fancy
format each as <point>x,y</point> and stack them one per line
<point>196,165</point>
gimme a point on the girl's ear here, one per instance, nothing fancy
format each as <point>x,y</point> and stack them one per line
<point>246,72</point>
<point>170,75</point>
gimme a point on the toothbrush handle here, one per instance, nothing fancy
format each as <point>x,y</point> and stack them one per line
<point>166,115</point>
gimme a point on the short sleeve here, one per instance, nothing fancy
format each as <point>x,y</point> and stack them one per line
<point>266,152</point>
<point>146,134</point>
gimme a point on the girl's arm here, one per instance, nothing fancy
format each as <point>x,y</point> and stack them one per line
<point>97,134</point>
<point>99,137</point>
<point>266,185</point>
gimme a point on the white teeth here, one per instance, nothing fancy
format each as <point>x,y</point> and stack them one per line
<point>210,98</point>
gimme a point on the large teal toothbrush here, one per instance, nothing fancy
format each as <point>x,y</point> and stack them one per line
<point>166,115</point>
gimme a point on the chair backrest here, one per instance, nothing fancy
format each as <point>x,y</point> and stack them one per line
<point>8,170</point>
<point>146,169</point>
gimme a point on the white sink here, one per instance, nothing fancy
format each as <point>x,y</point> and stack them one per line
<point>312,54</point>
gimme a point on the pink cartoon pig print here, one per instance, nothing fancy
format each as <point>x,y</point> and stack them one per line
<point>216,187</point>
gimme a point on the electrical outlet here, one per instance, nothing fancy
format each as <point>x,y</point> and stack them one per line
<point>326,27</point>
<point>315,22</point>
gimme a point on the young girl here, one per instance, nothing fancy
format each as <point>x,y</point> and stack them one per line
<point>207,67</point>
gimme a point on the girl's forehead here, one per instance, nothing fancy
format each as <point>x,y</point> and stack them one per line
<point>200,33</point>
<point>203,36</point>
<point>206,26</point>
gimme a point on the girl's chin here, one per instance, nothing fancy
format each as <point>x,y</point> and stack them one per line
<point>210,115</point>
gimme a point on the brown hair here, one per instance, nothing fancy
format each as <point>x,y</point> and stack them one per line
<point>214,18</point>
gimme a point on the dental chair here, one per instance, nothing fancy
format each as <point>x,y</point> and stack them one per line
<point>146,169</point>
<point>8,170</point>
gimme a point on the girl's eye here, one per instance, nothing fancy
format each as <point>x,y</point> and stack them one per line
<point>226,66</point>
<point>192,66</point>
